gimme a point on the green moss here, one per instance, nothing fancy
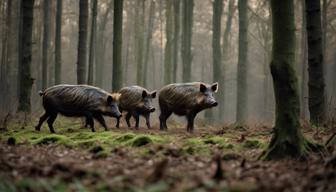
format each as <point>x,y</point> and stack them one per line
<point>141,140</point>
<point>51,139</point>
<point>124,138</point>
<point>252,143</point>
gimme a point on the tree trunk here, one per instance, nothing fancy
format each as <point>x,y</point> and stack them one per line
<point>187,23</point>
<point>139,40</point>
<point>117,45</point>
<point>46,42</point>
<point>149,38</point>
<point>58,42</point>
<point>225,57</point>
<point>92,41</point>
<point>242,64</point>
<point>315,62</point>
<point>25,55</point>
<point>82,41</point>
<point>303,63</point>
<point>100,46</point>
<point>216,51</point>
<point>168,48</point>
<point>287,140</point>
<point>176,37</point>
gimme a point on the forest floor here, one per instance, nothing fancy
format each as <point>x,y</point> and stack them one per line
<point>75,159</point>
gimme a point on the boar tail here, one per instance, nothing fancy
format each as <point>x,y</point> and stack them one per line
<point>41,93</point>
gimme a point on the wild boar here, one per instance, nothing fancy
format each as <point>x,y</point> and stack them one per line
<point>78,101</point>
<point>136,101</point>
<point>185,99</point>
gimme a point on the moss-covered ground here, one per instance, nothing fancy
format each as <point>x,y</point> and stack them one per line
<point>125,159</point>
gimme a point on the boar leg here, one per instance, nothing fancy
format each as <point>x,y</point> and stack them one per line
<point>89,119</point>
<point>137,119</point>
<point>163,119</point>
<point>42,119</point>
<point>51,121</point>
<point>128,117</point>
<point>147,120</point>
<point>101,120</point>
<point>118,122</point>
<point>190,118</point>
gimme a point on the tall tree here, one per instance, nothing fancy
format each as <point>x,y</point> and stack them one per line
<point>315,62</point>
<point>242,63</point>
<point>216,49</point>
<point>46,42</point>
<point>117,45</point>
<point>139,39</point>
<point>92,53</point>
<point>149,37</point>
<point>82,41</point>
<point>287,140</point>
<point>58,42</point>
<point>225,54</point>
<point>176,39</point>
<point>169,43</point>
<point>25,55</point>
<point>187,23</point>
<point>303,85</point>
<point>101,45</point>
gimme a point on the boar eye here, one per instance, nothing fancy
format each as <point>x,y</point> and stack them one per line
<point>202,88</point>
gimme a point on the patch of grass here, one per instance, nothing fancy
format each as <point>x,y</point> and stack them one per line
<point>141,141</point>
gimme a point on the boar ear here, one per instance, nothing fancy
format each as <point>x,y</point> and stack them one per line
<point>203,87</point>
<point>116,96</point>
<point>214,87</point>
<point>109,99</point>
<point>144,94</point>
<point>153,94</point>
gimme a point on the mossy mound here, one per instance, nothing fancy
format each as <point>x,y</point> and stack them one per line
<point>141,141</point>
<point>252,143</point>
<point>51,139</point>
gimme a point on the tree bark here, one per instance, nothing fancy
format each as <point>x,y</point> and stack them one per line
<point>58,42</point>
<point>100,46</point>
<point>176,39</point>
<point>139,40</point>
<point>92,42</point>
<point>315,62</point>
<point>117,45</point>
<point>46,42</point>
<point>82,41</point>
<point>149,38</point>
<point>287,140</point>
<point>168,67</point>
<point>25,55</point>
<point>187,23</point>
<point>242,64</point>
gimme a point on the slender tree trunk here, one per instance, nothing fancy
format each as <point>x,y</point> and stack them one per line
<point>46,42</point>
<point>216,50</point>
<point>242,64</point>
<point>82,41</point>
<point>117,45</point>
<point>92,42</point>
<point>287,140</point>
<point>315,62</point>
<point>58,42</point>
<point>149,38</point>
<point>176,37</point>
<point>225,55</point>
<point>100,46</point>
<point>25,79</point>
<point>139,40</point>
<point>303,63</point>
<point>187,23</point>
<point>169,43</point>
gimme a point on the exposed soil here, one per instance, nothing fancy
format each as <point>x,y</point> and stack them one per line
<point>47,167</point>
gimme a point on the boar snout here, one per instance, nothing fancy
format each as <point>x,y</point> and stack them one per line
<point>152,110</point>
<point>214,104</point>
